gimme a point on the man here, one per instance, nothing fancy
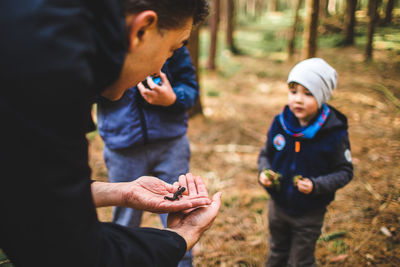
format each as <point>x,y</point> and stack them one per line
<point>57,56</point>
<point>144,132</point>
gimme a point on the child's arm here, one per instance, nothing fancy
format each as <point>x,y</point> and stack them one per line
<point>342,170</point>
<point>267,153</point>
<point>183,80</point>
<point>264,162</point>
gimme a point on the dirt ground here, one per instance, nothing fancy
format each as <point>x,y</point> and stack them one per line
<point>225,142</point>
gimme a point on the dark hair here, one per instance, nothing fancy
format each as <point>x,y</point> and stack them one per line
<point>171,13</point>
<point>292,85</point>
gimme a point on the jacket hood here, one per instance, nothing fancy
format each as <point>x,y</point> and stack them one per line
<point>327,119</point>
<point>336,120</point>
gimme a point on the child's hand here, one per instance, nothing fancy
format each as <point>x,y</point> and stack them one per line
<point>263,180</point>
<point>305,185</point>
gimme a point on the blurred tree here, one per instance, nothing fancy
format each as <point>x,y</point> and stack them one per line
<point>193,47</point>
<point>273,5</point>
<point>230,25</point>
<point>292,37</point>
<point>372,8</point>
<point>214,23</point>
<point>310,29</point>
<point>350,22</point>
<point>323,10</point>
<point>389,10</point>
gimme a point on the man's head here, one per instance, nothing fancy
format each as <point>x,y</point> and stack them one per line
<point>171,13</point>
<point>155,28</point>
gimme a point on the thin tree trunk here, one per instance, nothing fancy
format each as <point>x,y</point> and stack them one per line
<point>214,22</point>
<point>310,29</point>
<point>230,25</point>
<point>292,37</point>
<point>372,6</point>
<point>389,11</point>
<point>193,47</point>
<point>251,7</point>
<point>273,5</point>
<point>332,6</point>
<point>350,21</point>
<point>323,10</point>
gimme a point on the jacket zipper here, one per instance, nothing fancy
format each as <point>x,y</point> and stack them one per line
<point>297,148</point>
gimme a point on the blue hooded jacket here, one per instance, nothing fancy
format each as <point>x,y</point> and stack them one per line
<point>323,156</point>
<point>132,121</point>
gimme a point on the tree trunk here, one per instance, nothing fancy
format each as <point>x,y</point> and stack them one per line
<point>332,6</point>
<point>251,8</point>
<point>310,29</point>
<point>323,11</point>
<point>372,7</point>
<point>273,5</point>
<point>214,22</point>
<point>350,21</point>
<point>230,25</point>
<point>193,47</point>
<point>292,37</point>
<point>389,11</point>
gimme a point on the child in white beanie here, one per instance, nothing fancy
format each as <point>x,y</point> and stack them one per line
<point>305,160</point>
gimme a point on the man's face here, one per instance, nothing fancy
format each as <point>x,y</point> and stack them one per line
<point>147,55</point>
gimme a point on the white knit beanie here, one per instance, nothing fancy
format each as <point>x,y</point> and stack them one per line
<point>317,76</point>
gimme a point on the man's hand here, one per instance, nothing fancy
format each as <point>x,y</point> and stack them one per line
<point>305,185</point>
<point>146,193</point>
<point>263,180</point>
<point>192,224</point>
<point>161,95</point>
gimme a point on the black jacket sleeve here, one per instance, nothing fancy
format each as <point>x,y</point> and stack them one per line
<point>266,154</point>
<point>140,247</point>
<point>342,170</point>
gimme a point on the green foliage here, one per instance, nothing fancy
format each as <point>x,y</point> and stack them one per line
<point>4,261</point>
<point>213,93</point>
<point>339,247</point>
<point>331,236</point>
<point>268,34</point>
<point>92,135</point>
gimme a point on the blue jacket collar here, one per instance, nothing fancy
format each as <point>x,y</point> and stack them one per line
<point>292,126</point>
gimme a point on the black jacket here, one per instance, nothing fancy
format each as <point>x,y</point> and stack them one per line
<point>55,56</point>
<point>324,158</point>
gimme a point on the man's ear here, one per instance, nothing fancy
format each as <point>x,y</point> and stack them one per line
<point>138,25</point>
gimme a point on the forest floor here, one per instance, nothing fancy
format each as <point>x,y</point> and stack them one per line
<point>239,106</point>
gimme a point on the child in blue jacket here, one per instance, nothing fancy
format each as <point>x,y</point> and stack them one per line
<point>145,132</point>
<point>305,160</point>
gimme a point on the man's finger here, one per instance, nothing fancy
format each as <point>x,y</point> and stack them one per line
<point>191,184</point>
<point>183,182</point>
<point>201,187</point>
<point>184,204</point>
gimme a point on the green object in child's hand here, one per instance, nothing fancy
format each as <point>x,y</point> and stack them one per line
<point>297,178</point>
<point>274,177</point>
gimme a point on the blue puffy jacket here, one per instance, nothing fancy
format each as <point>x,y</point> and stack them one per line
<point>324,158</point>
<point>132,121</point>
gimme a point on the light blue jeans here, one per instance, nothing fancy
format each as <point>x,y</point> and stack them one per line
<point>165,160</point>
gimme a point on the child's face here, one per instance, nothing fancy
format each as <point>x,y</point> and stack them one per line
<point>302,103</point>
